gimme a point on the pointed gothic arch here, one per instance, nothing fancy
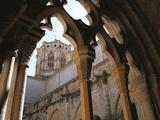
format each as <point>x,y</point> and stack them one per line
<point>57,114</point>
<point>52,11</point>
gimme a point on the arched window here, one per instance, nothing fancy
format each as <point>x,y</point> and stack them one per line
<point>63,60</point>
<point>51,60</point>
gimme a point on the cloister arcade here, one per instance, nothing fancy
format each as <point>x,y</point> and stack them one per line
<point>128,34</point>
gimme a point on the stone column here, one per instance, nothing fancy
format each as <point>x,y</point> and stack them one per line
<point>6,77</point>
<point>9,103</point>
<point>17,107</point>
<point>19,92</point>
<point>123,70</point>
<point>83,58</point>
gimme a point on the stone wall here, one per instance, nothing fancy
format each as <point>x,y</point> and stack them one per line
<point>64,103</point>
<point>35,89</point>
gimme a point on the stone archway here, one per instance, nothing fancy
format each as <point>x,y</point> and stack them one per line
<point>57,115</point>
<point>96,111</point>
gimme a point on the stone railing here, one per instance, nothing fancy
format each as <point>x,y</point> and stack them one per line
<point>53,97</point>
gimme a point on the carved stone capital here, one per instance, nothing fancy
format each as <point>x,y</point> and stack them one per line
<point>83,58</point>
<point>12,53</point>
<point>26,51</point>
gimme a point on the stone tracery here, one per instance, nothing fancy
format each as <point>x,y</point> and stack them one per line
<point>28,22</point>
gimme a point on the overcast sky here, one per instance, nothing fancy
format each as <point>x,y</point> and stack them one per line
<point>75,10</point>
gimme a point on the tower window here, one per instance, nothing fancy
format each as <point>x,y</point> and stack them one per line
<point>51,61</point>
<point>41,65</point>
<point>63,60</point>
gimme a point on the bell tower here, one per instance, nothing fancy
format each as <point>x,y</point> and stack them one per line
<point>51,57</point>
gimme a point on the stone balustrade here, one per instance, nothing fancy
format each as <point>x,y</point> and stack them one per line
<point>53,97</point>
